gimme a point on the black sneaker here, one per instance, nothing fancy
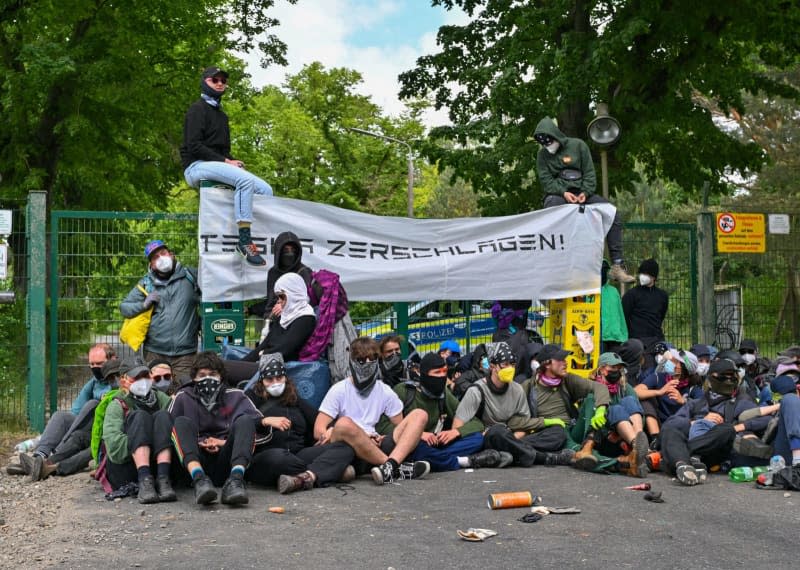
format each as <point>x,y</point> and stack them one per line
<point>204,491</point>
<point>250,253</point>
<point>234,491</point>
<point>485,458</point>
<point>564,457</point>
<point>414,470</point>
<point>166,494</point>
<point>147,490</point>
<point>383,473</point>
<point>506,459</point>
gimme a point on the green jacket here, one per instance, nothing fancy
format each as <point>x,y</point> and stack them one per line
<point>612,318</point>
<point>551,404</point>
<point>114,435</point>
<point>573,153</point>
<point>431,407</point>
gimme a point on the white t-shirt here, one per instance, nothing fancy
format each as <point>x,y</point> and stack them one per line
<point>343,400</point>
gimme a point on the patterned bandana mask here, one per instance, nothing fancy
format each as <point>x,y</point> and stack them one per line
<point>208,388</point>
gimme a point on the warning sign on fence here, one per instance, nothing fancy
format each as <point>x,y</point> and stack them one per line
<point>741,233</point>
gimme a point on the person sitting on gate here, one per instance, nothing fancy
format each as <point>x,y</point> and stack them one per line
<point>667,387</point>
<point>393,369</point>
<point>214,432</point>
<point>296,323</point>
<point>63,448</point>
<point>136,434</point>
<point>173,293</point>
<point>288,253</point>
<point>443,446</point>
<point>161,373</point>
<point>206,155</point>
<point>556,399</point>
<point>289,457</point>
<point>707,430</point>
<point>500,404</point>
<point>623,436</point>
<point>356,404</point>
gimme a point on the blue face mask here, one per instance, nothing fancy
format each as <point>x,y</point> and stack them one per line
<point>669,367</point>
<point>485,363</point>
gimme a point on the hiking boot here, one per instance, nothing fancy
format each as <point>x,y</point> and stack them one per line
<point>506,459</point>
<point>290,483</point>
<point>528,458</point>
<point>584,459</point>
<point>637,458</point>
<point>686,474</point>
<point>348,475</point>
<point>47,470</point>
<point>204,491</point>
<point>619,274</point>
<point>166,494</point>
<point>234,491</point>
<point>147,490</point>
<point>752,447</point>
<point>15,469</point>
<point>34,467</point>
<point>564,457</point>
<point>485,458</point>
<point>414,470</point>
<point>250,253</point>
<point>654,461</point>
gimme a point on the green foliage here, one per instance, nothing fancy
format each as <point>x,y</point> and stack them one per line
<point>659,65</point>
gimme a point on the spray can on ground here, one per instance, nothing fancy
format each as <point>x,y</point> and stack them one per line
<point>510,500</point>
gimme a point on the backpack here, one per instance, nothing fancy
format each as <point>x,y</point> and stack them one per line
<point>411,393</point>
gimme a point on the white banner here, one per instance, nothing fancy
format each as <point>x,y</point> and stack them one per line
<point>552,253</point>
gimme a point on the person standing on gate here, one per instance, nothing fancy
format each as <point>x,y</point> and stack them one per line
<point>206,155</point>
<point>173,292</point>
<point>566,172</point>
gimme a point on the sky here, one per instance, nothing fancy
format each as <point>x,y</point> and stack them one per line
<point>378,38</point>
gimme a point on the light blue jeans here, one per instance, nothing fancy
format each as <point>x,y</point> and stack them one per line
<point>245,184</point>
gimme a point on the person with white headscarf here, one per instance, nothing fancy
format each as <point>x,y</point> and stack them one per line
<point>290,332</point>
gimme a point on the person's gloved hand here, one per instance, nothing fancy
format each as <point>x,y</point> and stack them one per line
<point>554,422</point>
<point>599,417</point>
<point>151,299</point>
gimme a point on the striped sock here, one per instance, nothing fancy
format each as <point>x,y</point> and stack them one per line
<point>237,471</point>
<point>196,472</point>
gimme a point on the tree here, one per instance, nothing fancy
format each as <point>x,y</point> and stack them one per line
<point>93,93</point>
<point>655,63</point>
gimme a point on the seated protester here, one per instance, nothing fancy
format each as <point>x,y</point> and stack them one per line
<point>787,438</point>
<point>356,404</point>
<point>500,404</point>
<point>450,351</point>
<point>703,354</point>
<point>161,373</point>
<point>73,453</point>
<point>136,434</point>
<point>289,457</point>
<point>622,437</point>
<point>755,366</point>
<point>783,366</point>
<point>747,383</point>
<point>553,397</point>
<point>213,432</point>
<point>667,388</point>
<point>472,368</point>
<point>512,318</point>
<point>444,447</point>
<point>531,364</point>
<point>288,258</point>
<point>632,352</point>
<point>703,431</point>
<point>393,369</point>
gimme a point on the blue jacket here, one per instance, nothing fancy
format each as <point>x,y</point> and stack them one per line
<point>697,408</point>
<point>92,390</point>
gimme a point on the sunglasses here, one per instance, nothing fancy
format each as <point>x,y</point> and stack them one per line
<point>544,139</point>
<point>216,80</point>
<point>159,378</point>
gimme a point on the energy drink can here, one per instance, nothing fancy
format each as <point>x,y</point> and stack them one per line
<point>510,500</point>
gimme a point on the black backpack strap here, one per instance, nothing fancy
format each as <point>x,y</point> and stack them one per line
<point>411,393</point>
<point>533,403</point>
<point>571,410</point>
<point>482,405</point>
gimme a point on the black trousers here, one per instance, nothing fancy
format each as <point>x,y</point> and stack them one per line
<point>501,438</point>
<point>713,447</point>
<point>144,429</point>
<point>238,448</point>
<point>327,462</point>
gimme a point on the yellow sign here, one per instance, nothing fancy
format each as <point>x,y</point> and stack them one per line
<point>576,327</point>
<point>741,233</point>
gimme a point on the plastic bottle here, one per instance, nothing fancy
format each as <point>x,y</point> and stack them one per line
<point>27,445</point>
<point>744,474</point>
<point>775,465</point>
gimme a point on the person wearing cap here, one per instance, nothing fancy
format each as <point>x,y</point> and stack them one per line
<point>443,446</point>
<point>63,447</point>
<point>623,436</point>
<point>206,155</point>
<point>645,307</point>
<point>703,354</point>
<point>288,456</point>
<point>170,288</point>
<point>704,431</point>
<point>214,431</point>
<point>755,366</point>
<point>136,435</point>
<point>567,176</point>
<point>499,402</point>
<point>554,395</point>
<point>351,410</point>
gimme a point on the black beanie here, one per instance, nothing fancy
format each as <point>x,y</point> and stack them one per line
<point>649,267</point>
<point>431,361</point>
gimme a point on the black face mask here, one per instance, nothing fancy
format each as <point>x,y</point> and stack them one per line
<point>433,386</point>
<point>287,259</point>
<point>205,89</point>
<point>97,372</point>
<point>364,375</point>
<point>613,376</point>
<point>392,366</point>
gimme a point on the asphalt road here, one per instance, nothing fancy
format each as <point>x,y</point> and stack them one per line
<point>413,525</point>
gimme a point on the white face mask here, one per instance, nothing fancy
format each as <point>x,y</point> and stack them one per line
<point>552,148</point>
<point>659,358</point>
<point>141,387</point>
<point>740,372</point>
<point>702,368</point>
<point>534,366</point>
<point>645,280</point>
<point>275,390</point>
<point>164,264</point>
<point>749,358</point>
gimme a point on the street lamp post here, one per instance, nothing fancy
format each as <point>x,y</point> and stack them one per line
<point>604,131</point>
<point>409,158</point>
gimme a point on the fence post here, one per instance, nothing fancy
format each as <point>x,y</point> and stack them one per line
<point>705,279</point>
<point>401,309</point>
<point>36,232</point>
